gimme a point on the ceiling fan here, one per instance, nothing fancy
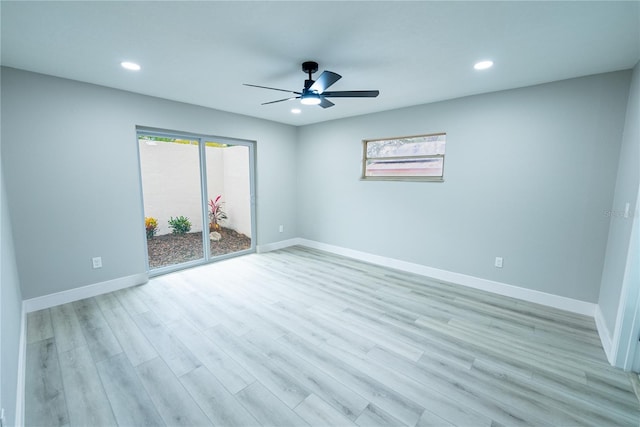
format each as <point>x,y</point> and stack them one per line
<point>314,92</point>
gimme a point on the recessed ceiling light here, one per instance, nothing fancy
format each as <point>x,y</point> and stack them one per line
<point>296,110</point>
<point>130,66</point>
<point>483,65</point>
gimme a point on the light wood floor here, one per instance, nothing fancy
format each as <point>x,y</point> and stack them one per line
<point>299,337</point>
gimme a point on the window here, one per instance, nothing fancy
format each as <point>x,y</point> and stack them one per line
<point>410,158</point>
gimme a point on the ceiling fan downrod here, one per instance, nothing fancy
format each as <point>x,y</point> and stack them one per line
<point>309,67</point>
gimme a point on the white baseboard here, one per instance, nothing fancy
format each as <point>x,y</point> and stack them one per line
<point>605,336</point>
<point>530,295</point>
<point>51,300</point>
<point>22,359</point>
<point>278,245</point>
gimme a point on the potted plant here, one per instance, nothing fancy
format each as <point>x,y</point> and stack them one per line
<point>180,225</point>
<point>216,214</point>
<point>151,225</point>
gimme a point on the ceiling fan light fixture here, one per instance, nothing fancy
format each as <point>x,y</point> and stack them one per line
<point>311,99</point>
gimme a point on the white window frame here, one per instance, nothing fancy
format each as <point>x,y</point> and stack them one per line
<point>403,140</point>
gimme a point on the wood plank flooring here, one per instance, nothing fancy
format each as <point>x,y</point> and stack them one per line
<point>300,337</point>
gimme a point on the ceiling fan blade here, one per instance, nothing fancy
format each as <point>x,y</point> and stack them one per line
<point>325,103</point>
<point>281,100</point>
<point>353,94</point>
<point>326,79</point>
<point>273,88</point>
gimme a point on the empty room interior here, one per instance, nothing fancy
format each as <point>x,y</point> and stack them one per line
<point>419,213</point>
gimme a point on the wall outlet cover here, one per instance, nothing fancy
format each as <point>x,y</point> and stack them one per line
<point>97,262</point>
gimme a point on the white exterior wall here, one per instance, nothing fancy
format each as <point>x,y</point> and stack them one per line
<point>237,189</point>
<point>171,182</point>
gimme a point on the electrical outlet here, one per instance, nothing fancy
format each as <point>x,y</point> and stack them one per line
<point>498,262</point>
<point>97,262</point>
<point>281,228</point>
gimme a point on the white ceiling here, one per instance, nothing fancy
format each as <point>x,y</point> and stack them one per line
<point>413,52</point>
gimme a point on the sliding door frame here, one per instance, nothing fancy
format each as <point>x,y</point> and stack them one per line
<point>201,139</point>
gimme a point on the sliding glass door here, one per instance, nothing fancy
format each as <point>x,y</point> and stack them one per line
<point>197,194</point>
<point>228,198</point>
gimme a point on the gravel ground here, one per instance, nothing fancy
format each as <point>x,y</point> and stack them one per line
<point>172,249</point>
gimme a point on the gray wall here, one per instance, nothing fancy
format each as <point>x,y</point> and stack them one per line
<point>626,191</point>
<point>70,151</point>
<point>529,174</point>
<point>10,309</point>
